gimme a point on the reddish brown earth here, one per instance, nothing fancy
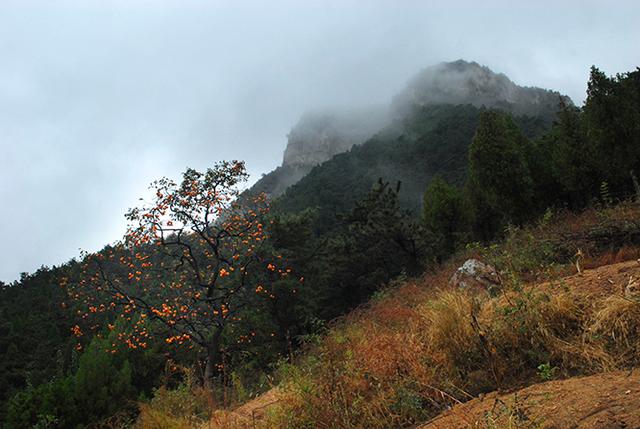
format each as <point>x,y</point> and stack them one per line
<point>602,401</point>
<point>605,280</point>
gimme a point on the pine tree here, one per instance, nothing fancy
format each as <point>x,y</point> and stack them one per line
<point>499,182</point>
<point>446,216</point>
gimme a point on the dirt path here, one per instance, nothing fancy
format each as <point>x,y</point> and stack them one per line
<point>602,401</point>
<point>246,414</point>
<point>605,280</point>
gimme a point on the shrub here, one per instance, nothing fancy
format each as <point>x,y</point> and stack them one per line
<point>185,406</point>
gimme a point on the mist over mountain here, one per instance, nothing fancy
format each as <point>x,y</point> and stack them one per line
<point>316,138</point>
<point>321,134</point>
<point>463,82</point>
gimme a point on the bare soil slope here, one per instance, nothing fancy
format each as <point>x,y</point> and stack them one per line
<point>602,401</point>
<point>605,280</point>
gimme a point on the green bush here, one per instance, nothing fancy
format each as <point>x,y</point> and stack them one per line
<point>100,388</point>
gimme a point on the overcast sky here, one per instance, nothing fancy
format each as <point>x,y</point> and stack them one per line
<point>98,98</point>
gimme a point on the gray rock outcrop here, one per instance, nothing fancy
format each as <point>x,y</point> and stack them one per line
<point>475,274</point>
<point>318,136</point>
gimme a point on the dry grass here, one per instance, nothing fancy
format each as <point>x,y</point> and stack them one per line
<point>548,249</point>
<point>616,324</point>
<point>400,361</point>
<point>184,407</point>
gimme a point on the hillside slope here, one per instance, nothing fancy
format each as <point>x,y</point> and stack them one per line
<point>603,401</point>
<point>414,353</point>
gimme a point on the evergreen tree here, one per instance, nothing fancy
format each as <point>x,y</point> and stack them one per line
<point>499,182</point>
<point>100,387</point>
<point>570,162</point>
<point>102,383</point>
<point>379,242</point>
<point>612,113</point>
<point>446,216</point>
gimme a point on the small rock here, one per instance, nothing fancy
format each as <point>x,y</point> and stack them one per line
<point>476,274</point>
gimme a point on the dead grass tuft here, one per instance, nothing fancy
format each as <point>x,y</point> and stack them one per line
<point>616,323</point>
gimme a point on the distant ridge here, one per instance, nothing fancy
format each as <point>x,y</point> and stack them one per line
<point>320,135</point>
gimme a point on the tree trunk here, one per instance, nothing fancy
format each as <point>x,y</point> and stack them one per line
<point>213,359</point>
<point>636,185</point>
<point>289,346</point>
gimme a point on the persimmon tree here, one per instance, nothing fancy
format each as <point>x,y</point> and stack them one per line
<point>187,265</point>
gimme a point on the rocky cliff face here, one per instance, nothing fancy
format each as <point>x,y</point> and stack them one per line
<point>316,138</point>
<point>321,134</point>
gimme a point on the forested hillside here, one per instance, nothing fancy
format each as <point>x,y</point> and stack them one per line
<point>431,141</point>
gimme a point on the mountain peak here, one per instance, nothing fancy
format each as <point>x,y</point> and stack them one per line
<point>321,134</point>
<point>464,82</point>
